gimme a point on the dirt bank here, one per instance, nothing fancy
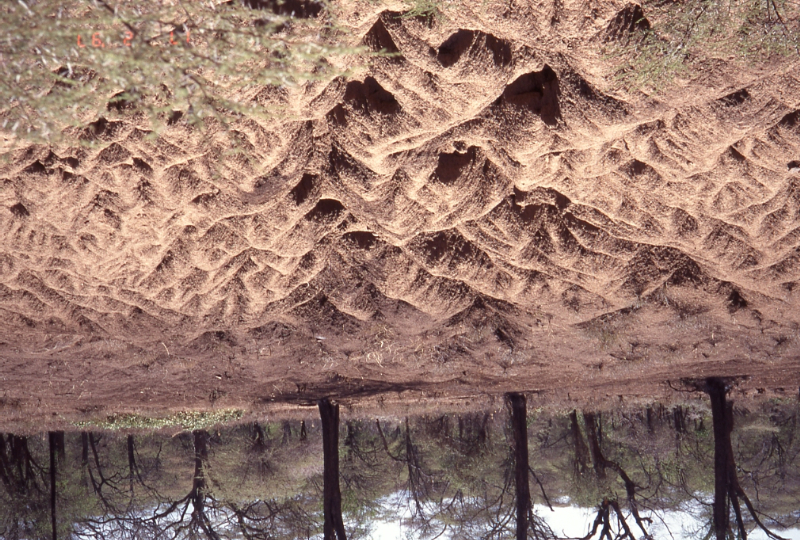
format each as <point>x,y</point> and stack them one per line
<point>482,213</point>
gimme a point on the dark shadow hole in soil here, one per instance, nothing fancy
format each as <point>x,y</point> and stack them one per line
<point>303,188</point>
<point>142,165</point>
<point>166,263</point>
<point>123,101</point>
<point>64,73</point>
<point>96,128</point>
<point>204,199</point>
<point>337,115</point>
<point>362,239</point>
<point>736,301</point>
<point>793,166</point>
<point>561,200</point>
<point>636,167</point>
<point>379,39</point>
<point>370,96</point>
<point>451,165</point>
<point>736,155</point>
<point>456,45</point>
<point>302,9</point>
<point>436,246</point>
<point>325,210</point>
<point>447,244</point>
<point>736,98</point>
<point>174,117</point>
<point>537,91</point>
<point>37,167</point>
<point>19,210</point>
<point>790,120</point>
<point>627,21</point>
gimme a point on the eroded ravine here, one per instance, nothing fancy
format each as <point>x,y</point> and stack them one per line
<point>477,207</point>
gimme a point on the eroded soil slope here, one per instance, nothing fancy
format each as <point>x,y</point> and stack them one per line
<point>480,213</point>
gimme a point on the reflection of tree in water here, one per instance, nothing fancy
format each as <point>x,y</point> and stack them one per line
<point>420,483</point>
<point>25,483</point>
<point>656,469</point>
<point>332,497</point>
<point>199,512</point>
<point>475,475</point>
<point>727,491</point>
<point>171,516</point>
<point>609,508</point>
<point>466,476</point>
<point>526,521</point>
<point>367,474</point>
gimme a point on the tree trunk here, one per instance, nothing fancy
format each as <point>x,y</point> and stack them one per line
<point>287,432</point>
<point>680,420</point>
<point>519,427</point>
<point>349,441</point>
<point>581,451</point>
<point>61,446</point>
<point>21,457</point>
<point>332,497</point>
<point>198,495</point>
<point>483,433</point>
<point>5,467</point>
<point>260,438</point>
<point>723,424</point>
<point>53,444</point>
<point>131,462</point>
<point>594,445</point>
<point>84,458</point>
<point>415,487</point>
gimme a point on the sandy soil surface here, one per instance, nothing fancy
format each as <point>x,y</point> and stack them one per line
<point>482,213</point>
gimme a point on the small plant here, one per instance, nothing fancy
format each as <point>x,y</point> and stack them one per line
<point>426,9</point>
<point>188,420</point>
<point>607,337</point>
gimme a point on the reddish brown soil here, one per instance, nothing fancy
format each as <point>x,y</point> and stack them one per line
<point>481,214</point>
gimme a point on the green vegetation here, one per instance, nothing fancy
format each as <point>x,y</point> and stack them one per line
<point>68,63</point>
<point>189,420</point>
<point>426,9</point>
<point>684,35</point>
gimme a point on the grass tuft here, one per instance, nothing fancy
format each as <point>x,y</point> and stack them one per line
<point>426,9</point>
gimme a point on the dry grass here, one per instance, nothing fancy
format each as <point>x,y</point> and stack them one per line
<point>685,34</point>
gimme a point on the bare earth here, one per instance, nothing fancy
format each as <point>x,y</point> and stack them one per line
<point>481,214</point>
